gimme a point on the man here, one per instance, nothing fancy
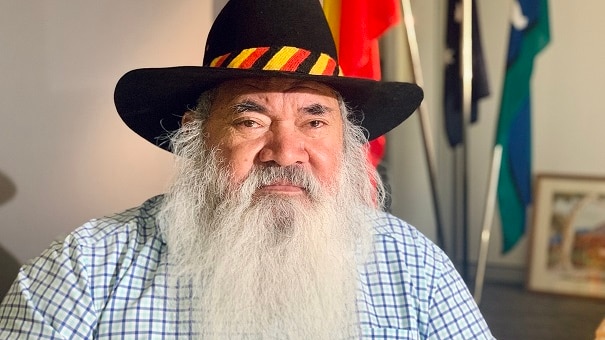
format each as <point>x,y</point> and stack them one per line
<point>272,227</point>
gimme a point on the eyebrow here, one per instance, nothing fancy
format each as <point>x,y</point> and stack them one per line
<point>316,109</point>
<point>246,106</point>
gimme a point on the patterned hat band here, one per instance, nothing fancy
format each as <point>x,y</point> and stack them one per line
<point>286,58</point>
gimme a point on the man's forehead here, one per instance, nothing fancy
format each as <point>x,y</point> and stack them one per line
<point>266,85</point>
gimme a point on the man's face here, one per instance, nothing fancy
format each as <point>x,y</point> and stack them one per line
<point>265,256</point>
<point>277,122</point>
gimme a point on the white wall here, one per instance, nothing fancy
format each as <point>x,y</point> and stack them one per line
<point>61,142</point>
<point>71,158</point>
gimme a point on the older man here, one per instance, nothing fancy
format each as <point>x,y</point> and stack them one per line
<point>272,228</point>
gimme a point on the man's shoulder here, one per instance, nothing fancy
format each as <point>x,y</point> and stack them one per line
<point>138,222</point>
<point>388,225</point>
<point>110,245</point>
<point>393,233</point>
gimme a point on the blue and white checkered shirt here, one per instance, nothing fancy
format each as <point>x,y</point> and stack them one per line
<point>107,280</point>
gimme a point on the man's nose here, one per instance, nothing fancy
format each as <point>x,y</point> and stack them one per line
<point>284,146</point>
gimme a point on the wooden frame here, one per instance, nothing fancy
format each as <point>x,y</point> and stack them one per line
<point>567,245</point>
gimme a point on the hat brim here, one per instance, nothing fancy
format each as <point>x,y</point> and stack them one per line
<point>151,101</point>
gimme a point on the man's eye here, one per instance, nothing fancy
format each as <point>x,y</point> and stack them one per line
<point>248,123</point>
<point>316,123</point>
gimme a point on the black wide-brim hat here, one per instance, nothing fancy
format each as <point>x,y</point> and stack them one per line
<point>253,39</point>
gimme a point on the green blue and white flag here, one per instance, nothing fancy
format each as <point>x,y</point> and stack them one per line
<point>529,34</point>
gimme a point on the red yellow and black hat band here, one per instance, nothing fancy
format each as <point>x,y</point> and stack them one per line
<point>284,58</point>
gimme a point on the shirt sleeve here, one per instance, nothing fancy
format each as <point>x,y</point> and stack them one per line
<point>453,311</point>
<point>50,298</point>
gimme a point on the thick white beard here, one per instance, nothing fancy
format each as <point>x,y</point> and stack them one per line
<point>269,266</point>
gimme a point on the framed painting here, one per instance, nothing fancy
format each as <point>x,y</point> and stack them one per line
<point>567,244</point>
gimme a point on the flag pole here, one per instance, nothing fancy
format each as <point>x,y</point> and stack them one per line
<point>488,218</point>
<point>429,148</point>
<point>466,71</point>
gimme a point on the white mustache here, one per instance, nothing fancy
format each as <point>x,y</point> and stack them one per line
<point>261,176</point>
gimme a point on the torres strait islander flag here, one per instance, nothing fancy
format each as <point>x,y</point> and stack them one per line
<point>356,26</point>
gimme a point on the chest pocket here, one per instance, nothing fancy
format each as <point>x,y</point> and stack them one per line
<point>389,334</point>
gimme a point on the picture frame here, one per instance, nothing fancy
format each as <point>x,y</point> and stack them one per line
<point>567,242</point>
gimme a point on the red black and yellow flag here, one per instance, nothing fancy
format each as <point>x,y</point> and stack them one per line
<point>356,26</point>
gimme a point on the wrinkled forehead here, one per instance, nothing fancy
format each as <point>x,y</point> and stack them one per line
<point>245,86</point>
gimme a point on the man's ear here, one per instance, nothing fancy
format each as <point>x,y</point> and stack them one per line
<point>188,117</point>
